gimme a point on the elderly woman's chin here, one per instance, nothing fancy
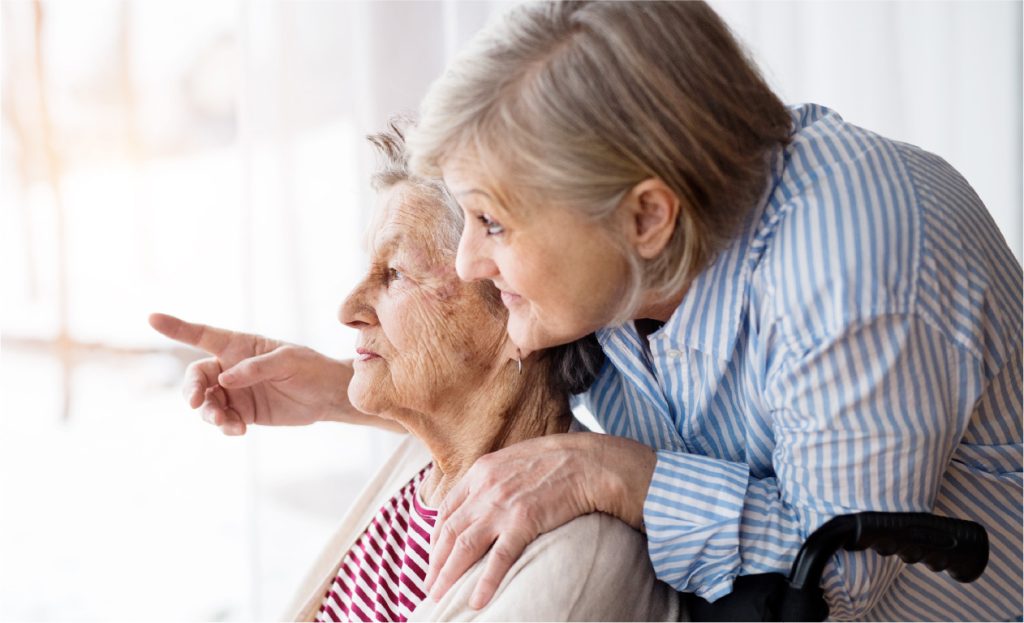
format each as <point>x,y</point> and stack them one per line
<point>365,394</point>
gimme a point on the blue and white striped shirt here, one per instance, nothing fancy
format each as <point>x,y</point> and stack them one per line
<point>858,347</point>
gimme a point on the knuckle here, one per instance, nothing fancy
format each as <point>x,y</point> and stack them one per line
<point>506,488</point>
<point>198,373</point>
<point>193,382</point>
<point>207,415</point>
<point>200,366</point>
<point>521,515</point>
<point>503,556</point>
<point>448,532</point>
<point>491,480</point>
<point>286,350</point>
<point>466,542</point>
<point>526,517</point>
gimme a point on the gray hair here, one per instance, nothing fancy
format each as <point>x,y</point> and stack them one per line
<point>578,102</point>
<point>572,367</point>
<point>393,169</point>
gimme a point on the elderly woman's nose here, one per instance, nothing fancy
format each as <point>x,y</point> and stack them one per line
<point>355,311</point>
<point>471,263</point>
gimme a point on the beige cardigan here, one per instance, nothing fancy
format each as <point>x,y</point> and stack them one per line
<point>591,569</point>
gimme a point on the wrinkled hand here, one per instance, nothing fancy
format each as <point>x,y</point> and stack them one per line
<point>510,497</point>
<point>255,380</point>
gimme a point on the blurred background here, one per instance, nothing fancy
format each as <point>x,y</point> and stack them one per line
<point>207,159</point>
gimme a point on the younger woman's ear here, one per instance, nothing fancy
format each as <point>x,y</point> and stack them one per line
<point>651,213</point>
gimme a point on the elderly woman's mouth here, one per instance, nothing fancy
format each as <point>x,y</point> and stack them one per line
<point>363,354</point>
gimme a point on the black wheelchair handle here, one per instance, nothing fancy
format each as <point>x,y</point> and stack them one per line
<point>958,546</point>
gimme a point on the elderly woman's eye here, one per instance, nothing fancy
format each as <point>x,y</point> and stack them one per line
<point>492,227</point>
<point>393,274</point>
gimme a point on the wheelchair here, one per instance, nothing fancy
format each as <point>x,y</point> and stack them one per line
<point>957,546</point>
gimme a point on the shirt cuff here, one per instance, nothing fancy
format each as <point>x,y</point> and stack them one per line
<point>692,515</point>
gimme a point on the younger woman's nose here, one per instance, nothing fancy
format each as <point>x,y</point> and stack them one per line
<point>472,262</point>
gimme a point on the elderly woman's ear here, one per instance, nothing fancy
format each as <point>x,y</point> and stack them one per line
<point>650,213</point>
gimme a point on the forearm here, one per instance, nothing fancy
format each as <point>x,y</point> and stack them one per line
<point>690,506</point>
<point>709,521</point>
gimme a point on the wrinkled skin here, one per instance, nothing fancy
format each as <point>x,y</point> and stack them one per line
<point>437,338</point>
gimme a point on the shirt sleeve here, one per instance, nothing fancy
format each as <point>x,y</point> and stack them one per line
<point>863,419</point>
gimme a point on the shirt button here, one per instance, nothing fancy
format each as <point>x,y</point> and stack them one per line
<point>675,354</point>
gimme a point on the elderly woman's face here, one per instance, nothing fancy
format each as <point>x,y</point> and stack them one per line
<point>558,274</point>
<point>425,336</point>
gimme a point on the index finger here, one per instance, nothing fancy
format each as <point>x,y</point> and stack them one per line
<point>204,337</point>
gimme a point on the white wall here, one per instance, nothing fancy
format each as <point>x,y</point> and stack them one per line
<point>945,76</point>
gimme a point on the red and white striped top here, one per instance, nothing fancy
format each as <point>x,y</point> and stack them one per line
<point>381,578</point>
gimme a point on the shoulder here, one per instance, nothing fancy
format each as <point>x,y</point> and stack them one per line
<point>970,283</point>
<point>847,226</point>
<point>592,568</point>
<point>575,548</point>
<point>859,225</point>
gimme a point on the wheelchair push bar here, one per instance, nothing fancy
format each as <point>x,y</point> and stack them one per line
<point>957,546</point>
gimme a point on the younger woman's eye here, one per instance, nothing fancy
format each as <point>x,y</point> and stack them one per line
<point>393,274</point>
<point>492,227</point>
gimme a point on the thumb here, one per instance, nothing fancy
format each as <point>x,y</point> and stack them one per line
<point>273,366</point>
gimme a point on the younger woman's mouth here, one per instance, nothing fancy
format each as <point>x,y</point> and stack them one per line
<point>510,299</point>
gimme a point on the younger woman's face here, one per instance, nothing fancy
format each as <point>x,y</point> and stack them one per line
<point>560,277</point>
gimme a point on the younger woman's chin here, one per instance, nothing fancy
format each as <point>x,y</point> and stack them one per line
<point>530,337</point>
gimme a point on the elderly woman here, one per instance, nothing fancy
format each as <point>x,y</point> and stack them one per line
<point>434,359</point>
<point>801,318</point>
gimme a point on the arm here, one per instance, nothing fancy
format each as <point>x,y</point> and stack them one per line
<point>850,436</point>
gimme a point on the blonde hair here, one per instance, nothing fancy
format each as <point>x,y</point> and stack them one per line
<point>575,103</point>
